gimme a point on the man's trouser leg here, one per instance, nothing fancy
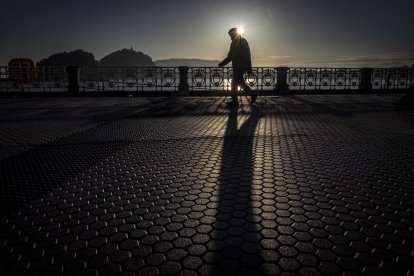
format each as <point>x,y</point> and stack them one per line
<point>237,81</point>
<point>248,89</point>
<point>234,88</point>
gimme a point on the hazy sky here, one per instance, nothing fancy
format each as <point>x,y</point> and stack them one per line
<point>280,32</point>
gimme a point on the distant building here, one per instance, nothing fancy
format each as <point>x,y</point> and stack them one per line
<point>22,70</point>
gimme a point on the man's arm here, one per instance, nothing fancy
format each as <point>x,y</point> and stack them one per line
<point>229,57</point>
<point>224,62</point>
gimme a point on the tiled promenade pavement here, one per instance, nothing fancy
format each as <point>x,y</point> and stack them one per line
<point>309,185</point>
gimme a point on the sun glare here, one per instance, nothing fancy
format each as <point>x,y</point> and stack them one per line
<point>240,30</point>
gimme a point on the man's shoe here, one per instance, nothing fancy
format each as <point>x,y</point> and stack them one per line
<point>253,99</point>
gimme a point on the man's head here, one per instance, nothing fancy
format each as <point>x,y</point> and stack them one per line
<point>233,33</point>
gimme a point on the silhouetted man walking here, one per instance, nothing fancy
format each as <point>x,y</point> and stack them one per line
<point>239,56</point>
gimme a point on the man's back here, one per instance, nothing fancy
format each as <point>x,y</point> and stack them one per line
<point>240,55</point>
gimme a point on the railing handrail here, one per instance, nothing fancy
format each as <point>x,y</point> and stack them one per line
<point>216,67</point>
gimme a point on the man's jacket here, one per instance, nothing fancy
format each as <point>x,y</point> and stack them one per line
<point>239,55</point>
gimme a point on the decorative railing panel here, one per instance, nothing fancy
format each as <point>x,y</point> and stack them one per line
<point>213,78</point>
<point>323,78</point>
<point>199,79</point>
<point>392,78</point>
<point>129,79</point>
<point>37,79</point>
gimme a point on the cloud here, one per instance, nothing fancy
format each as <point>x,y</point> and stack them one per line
<point>383,60</point>
<point>271,58</point>
<point>271,61</point>
<point>389,59</point>
<point>263,13</point>
<point>269,13</point>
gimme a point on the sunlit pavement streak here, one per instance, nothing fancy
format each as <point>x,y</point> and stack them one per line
<point>301,184</point>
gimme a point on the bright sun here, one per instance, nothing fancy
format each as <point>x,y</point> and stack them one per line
<point>240,30</point>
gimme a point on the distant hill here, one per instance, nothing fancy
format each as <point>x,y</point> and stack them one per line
<point>124,57</point>
<point>77,57</point>
<point>127,57</point>
<point>175,62</point>
<point>406,66</point>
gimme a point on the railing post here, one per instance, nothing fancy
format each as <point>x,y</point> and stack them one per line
<point>408,100</point>
<point>73,78</point>
<point>281,80</point>
<point>183,85</point>
<point>366,79</point>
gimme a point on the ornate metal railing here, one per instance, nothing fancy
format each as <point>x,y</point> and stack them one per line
<point>194,79</point>
<point>213,78</point>
<point>385,78</point>
<point>349,78</point>
<point>323,78</point>
<point>168,79</point>
<point>36,79</point>
<point>129,79</point>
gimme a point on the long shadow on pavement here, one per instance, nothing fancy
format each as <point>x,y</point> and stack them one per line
<point>236,231</point>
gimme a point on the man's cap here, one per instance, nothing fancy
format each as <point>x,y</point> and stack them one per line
<point>232,30</point>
